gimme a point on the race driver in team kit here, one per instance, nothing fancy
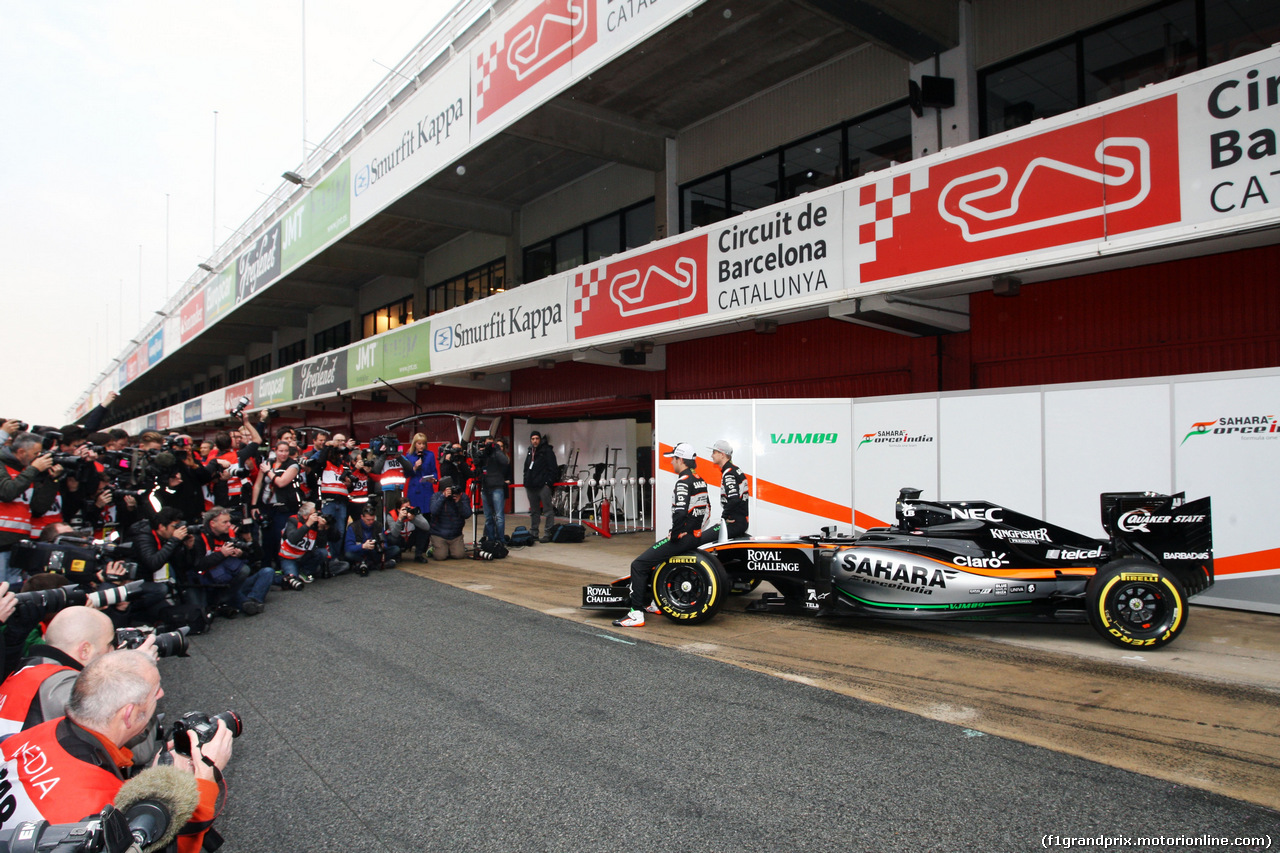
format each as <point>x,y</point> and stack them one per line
<point>689,508</point>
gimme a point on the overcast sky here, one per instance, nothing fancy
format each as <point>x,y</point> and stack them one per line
<point>110,106</point>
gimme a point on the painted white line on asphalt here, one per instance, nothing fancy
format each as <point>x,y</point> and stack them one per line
<point>617,639</point>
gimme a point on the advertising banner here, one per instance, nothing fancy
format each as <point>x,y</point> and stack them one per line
<point>428,132</point>
<point>219,296</point>
<point>192,411</point>
<point>1227,142</point>
<point>155,346</point>
<point>273,388</point>
<point>191,317</point>
<point>133,365</point>
<point>364,363</point>
<point>232,393</point>
<point>162,420</point>
<point>321,376</point>
<point>533,45</point>
<point>519,323</point>
<point>541,47</point>
<point>645,289</point>
<point>407,351</point>
<point>323,215</point>
<point>787,256</point>
<point>1086,181</point>
<point>259,265</point>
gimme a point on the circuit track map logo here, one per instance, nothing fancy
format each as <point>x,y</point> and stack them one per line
<point>1242,426</point>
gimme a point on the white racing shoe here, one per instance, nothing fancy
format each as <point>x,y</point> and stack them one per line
<point>634,619</point>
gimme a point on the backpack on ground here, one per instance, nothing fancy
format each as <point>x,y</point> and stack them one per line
<point>521,537</point>
<point>568,533</point>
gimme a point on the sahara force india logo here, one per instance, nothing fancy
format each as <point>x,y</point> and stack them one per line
<point>1244,426</point>
<point>892,436</point>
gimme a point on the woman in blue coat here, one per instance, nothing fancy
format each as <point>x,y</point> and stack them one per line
<point>421,476</point>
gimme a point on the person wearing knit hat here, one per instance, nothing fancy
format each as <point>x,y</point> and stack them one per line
<point>689,509</point>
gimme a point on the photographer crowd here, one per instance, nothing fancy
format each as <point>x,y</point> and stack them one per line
<point>113,549</point>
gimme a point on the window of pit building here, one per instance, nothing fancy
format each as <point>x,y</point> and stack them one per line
<point>291,354</point>
<point>1151,45</point>
<point>484,280</point>
<point>258,366</point>
<point>216,382</point>
<point>868,143</point>
<point>235,374</point>
<point>393,315</point>
<point>628,228</point>
<point>333,337</point>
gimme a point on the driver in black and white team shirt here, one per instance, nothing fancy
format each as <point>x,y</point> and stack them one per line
<point>689,509</point>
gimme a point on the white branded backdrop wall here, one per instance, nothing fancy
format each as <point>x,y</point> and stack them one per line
<point>1046,451</point>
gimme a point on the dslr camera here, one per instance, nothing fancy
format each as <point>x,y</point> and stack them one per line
<point>173,643</point>
<point>204,726</point>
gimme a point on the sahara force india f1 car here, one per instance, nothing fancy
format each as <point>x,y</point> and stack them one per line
<point>966,560</point>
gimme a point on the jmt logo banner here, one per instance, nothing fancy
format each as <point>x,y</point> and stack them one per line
<point>260,265</point>
<point>540,43</point>
<point>1087,181</point>
<point>654,287</point>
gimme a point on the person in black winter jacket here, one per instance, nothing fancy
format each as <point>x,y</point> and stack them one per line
<point>540,473</point>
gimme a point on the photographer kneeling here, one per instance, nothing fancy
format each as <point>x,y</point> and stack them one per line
<point>73,766</point>
<point>365,546</point>
<point>449,512</point>
<point>219,568</point>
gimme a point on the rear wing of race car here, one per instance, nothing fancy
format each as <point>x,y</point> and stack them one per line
<point>1165,529</point>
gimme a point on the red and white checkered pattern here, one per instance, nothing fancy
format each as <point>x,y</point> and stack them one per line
<point>486,63</point>
<point>586,285</point>
<point>883,201</point>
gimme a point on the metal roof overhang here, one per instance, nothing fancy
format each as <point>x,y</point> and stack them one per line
<point>718,55</point>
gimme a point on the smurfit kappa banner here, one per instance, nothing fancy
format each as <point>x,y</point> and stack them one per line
<point>426,134</point>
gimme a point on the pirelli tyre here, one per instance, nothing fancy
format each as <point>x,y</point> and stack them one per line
<point>690,588</point>
<point>1135,604</point>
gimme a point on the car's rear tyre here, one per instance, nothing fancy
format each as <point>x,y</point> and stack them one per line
<point>690,588</point>
<point>1136,604</point>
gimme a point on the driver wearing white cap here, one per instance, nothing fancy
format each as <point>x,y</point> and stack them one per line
<point>689,509</point>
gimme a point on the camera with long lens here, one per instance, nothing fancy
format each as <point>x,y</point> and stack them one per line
<point>204,726</point>
<point>242,403</point>
<point>169,644</point>
<point>34,605</point>
<point>77,557</point>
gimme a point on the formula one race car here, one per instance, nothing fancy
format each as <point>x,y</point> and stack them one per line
<point>962,559</point>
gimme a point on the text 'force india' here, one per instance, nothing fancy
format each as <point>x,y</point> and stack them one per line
<point>963,560</point>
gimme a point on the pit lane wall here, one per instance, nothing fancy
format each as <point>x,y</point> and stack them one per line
<point>1044,451</point>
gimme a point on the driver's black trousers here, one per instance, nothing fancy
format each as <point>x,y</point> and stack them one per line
<point>642,567</point>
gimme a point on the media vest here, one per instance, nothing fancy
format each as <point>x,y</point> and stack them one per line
<point>15,515</point>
